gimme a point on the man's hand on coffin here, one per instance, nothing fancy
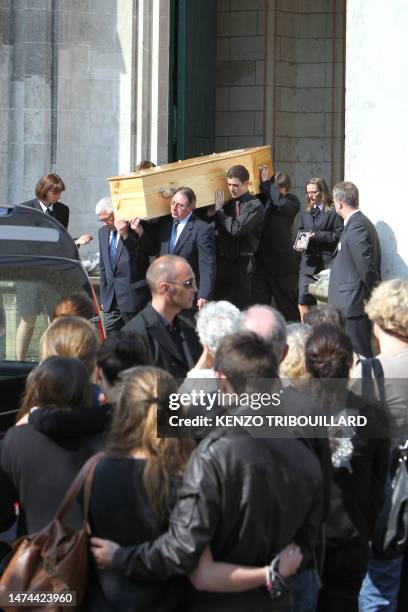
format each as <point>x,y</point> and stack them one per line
<point>264,173</point>
<point>136,225</point>
<point>123,228</point>
<point>219,199</point>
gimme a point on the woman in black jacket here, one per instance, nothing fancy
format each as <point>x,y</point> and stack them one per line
<point>325,227</point>
<point>359,464</point>
<point>41,456</point>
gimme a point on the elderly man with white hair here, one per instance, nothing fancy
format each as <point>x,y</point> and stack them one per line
<point>123,266</point>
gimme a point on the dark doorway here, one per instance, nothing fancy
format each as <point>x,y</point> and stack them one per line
<point>192,78</point>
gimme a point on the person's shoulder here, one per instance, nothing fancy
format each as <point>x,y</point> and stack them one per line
<point>293,199</point>
<point>18,437</point>
<point>140,320</point>
<point>103,232</point>
<point>253,200</point>
<point>31,203</point>
<point>201,226</point>
<point>61,206</point>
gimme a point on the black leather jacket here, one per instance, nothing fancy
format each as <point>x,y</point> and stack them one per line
<point>249,498</point>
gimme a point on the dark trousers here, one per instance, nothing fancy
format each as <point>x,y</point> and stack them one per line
<point>283,289</point>
<point>234,280</point>
<point>114,320</point>
<point>343,573</point>
<point>359,330</point>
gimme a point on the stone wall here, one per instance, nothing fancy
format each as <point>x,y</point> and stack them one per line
<point>83,93</point>
<point>280,81</point>
<point>240,74</point>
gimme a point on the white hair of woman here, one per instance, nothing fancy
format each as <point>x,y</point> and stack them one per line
<point>215,321</point>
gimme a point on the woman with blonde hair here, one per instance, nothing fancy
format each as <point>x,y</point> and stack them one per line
<point>71,336</point>
<point>133,492</point>
<point>68,337</point>
<point>293,366</point>
<point>325,227</point>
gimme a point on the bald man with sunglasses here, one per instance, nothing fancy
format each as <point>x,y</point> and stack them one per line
<point>170,338</point>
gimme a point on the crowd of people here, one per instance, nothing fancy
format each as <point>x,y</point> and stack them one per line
<point>225,520</point>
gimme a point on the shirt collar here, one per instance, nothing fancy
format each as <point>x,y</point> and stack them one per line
<point>45,208</point>
<point>185,220</point>
<point>346,220</point>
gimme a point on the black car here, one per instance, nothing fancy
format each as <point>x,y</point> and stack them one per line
<point>39,265</point>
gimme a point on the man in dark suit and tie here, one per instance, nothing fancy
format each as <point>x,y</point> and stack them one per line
<point>123,268</point>
<point>170,338</point>
<point>185,235</point>
<point>356,268</point>
<point>277,264</point>
<point>239,227</point>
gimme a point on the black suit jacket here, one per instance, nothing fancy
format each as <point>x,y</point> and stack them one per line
<point>356,267</point>
<point>196,244</point>
<point>237,235</point>
<point>160,345</point>
<point>126,280</point>
<point>275,249</point>
<point>327,226</point>
<point>60,211</point>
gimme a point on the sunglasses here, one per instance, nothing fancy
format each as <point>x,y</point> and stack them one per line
<point>188,284</point>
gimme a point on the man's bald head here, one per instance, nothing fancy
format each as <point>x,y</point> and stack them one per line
<point>164,269</point>
<point>267,323</point>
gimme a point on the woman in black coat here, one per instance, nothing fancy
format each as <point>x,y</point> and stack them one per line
<point>359,462</point>
<point>43,453</point>
<point>325,227</point>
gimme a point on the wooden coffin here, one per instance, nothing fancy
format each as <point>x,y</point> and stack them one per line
<point>148,193</point>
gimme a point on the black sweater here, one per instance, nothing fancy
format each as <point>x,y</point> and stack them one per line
<point>120,511</point>
<point>38,462</point>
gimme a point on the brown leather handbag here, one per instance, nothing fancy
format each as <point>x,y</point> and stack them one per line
<point>56,558</point>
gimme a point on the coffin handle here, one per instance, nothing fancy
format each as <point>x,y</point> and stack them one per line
<point>167,192</point>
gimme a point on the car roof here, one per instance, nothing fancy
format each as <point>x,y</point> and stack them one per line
<point>27,231</point>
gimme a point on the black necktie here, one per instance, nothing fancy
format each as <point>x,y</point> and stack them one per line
<point>49,212</point>
<point>315,211</point>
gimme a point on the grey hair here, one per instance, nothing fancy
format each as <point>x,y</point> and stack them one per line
<point>346,192</point>
<point>216,320</point>
<point>104,204</point>
<point>268,323</point>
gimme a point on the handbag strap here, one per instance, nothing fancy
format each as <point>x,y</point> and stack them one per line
<point>84,477</point>
<point>371,369</point>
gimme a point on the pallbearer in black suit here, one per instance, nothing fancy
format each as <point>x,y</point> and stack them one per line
<point>325,227</point>
<point>239,227</point>
<point>185,235</point>
<point>356,268</point>
<point>277,265</point>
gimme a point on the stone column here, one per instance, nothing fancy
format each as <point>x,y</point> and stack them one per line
<point>376,148</point>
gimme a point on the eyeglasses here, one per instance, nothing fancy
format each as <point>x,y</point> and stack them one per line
<point>106,219</point>
<point>190,283</point>
<point>180,206</point>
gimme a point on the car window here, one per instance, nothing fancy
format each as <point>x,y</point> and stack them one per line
<point>29,290</point>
